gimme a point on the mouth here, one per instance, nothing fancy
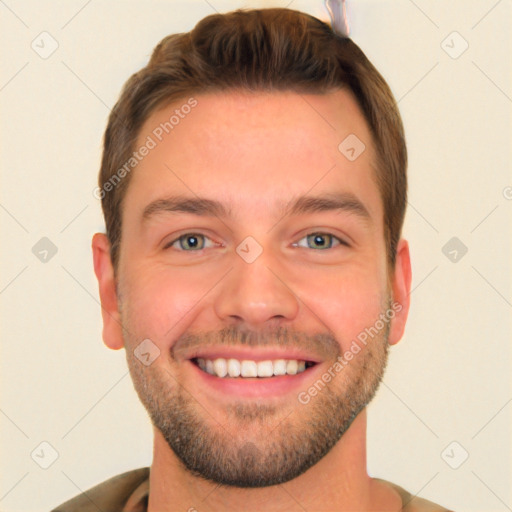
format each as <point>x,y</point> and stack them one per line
<point>250,369</point>
<point>245,375</point>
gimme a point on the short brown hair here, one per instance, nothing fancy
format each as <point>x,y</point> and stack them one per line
<point>257,50</point>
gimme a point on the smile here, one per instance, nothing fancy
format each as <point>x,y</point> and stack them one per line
<point>245,368</point>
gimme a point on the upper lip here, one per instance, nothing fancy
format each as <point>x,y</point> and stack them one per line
<point>252,354</point>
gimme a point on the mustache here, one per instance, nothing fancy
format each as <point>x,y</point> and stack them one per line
<point>323,345</point>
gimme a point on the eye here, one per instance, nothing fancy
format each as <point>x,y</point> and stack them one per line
<point>190,242</point>
<point>320,241</point>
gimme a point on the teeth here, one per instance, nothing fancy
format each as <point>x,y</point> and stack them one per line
<point>265,369</point>
<point>249,369</point>
<point>246,368</point>
<point>291,367</point>
<point>220,367</point>
<point>279,367</point>
<point>233,368</point>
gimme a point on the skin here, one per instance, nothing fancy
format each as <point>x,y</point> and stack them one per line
<point>253,153</point>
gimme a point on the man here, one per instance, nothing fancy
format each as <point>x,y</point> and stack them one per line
<point>253,183</point>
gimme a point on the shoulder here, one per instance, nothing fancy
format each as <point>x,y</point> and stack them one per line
<point>412,503</point>
<point>108,496</point>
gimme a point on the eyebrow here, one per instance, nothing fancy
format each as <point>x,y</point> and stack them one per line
<point>345,202</point>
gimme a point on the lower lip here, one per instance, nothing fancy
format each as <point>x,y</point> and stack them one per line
<point>257,387</point>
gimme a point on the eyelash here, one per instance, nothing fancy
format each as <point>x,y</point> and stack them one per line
<point>321,233</point>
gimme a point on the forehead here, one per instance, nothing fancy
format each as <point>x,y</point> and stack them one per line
<point>255,150</point>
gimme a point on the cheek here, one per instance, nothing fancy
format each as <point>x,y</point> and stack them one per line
<point>347,303</point>
<point>160,304</point>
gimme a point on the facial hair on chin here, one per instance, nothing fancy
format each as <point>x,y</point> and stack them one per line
<point>224,454</point>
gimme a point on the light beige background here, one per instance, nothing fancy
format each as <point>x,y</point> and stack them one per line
<point>448,379</point>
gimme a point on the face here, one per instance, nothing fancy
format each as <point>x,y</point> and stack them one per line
<point>252,244</point>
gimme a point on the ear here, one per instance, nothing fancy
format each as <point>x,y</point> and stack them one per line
<point>401,288</point>
<point>112,329</point>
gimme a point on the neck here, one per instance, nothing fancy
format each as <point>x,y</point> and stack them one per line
<point>339,481</point>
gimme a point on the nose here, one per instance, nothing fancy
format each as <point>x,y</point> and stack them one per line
<point>256,295</point>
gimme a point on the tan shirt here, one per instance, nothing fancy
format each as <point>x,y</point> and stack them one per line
<point>129,492</point>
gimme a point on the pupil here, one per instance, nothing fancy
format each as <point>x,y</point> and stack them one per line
<point>319,240</point>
